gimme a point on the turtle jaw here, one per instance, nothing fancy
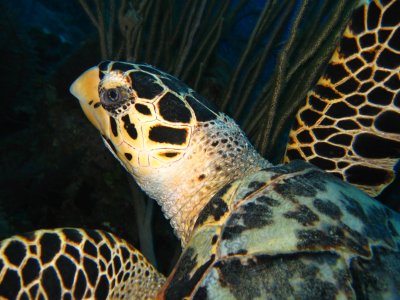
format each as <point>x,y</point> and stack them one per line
<point>86,89</point>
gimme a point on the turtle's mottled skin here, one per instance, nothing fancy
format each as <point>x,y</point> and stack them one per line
<point>250,230</point>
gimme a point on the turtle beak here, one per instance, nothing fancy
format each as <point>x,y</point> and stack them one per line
<point>85,89</point>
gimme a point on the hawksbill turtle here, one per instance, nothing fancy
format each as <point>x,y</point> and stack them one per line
<point>249,229</point>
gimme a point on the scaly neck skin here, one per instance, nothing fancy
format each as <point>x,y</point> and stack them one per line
<point>218,153</point>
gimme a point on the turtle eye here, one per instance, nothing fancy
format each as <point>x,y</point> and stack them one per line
<point>111,96</point>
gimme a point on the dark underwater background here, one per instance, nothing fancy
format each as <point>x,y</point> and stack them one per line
<point>54,169</point>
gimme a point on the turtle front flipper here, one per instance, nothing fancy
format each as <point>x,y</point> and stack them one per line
<point>68,263</point>
<point>350,124</point>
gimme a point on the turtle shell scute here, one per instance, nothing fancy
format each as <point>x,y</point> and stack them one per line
<point>274,233</point>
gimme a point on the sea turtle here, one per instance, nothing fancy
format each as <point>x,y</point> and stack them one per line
<point>249,229</point>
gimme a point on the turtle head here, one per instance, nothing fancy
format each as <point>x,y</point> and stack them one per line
<point>177,147</point>
<point>145,116</point>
